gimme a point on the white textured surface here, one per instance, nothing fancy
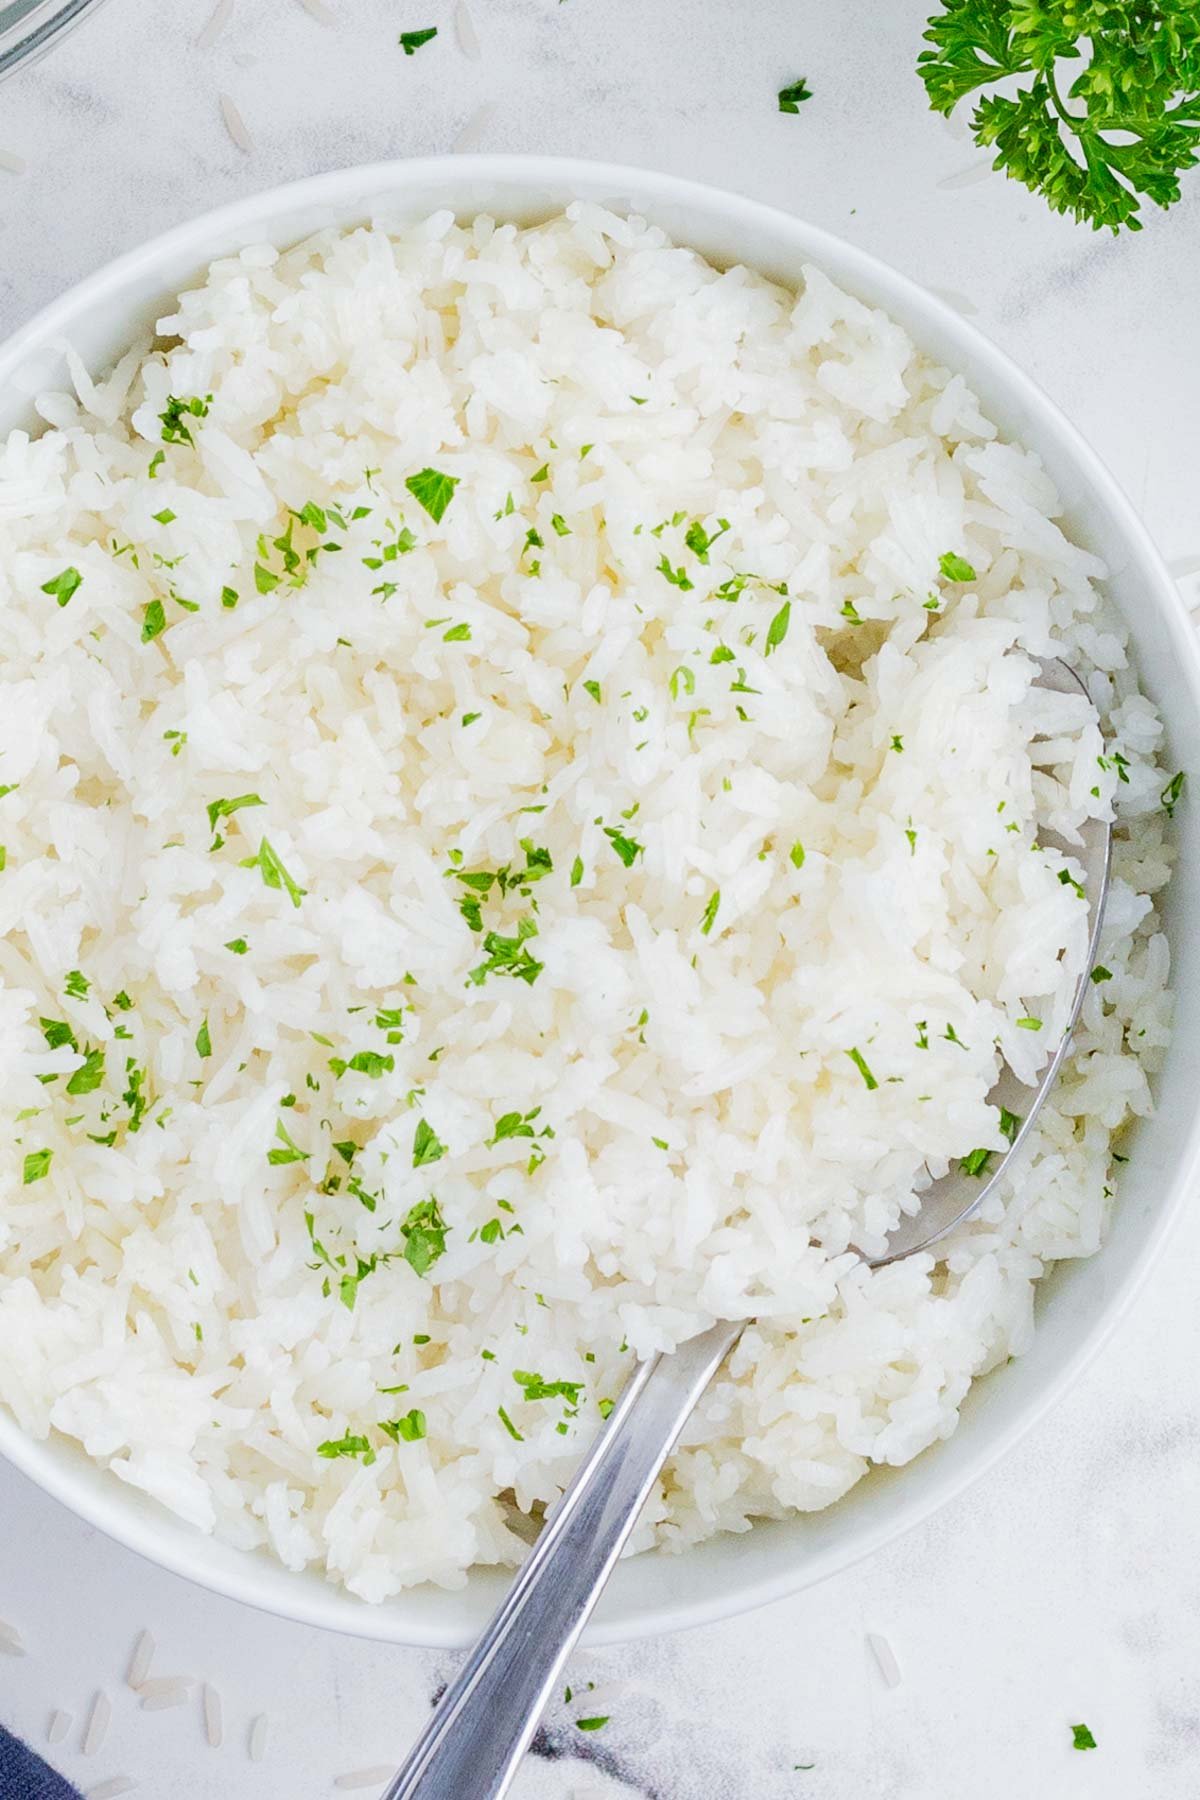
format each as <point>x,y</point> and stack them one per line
<point>1068,1587</point>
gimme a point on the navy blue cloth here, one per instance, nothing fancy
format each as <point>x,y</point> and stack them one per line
<point>24,1776</point>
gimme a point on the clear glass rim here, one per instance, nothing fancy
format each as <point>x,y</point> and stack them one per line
<point>29,27</point>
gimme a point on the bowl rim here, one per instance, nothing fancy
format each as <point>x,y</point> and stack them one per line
<point>108,1508</point>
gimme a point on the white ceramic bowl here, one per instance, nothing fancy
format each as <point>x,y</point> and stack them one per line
<point>1080,1302</point>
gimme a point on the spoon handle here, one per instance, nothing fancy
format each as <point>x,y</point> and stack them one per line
<point>484,1722</point>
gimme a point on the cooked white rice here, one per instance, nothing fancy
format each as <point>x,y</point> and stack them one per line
<point>681,658</point>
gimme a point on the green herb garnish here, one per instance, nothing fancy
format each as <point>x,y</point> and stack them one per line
<point>792,96</point>
<point>63,585</point>
<point>37,1166</point>
<point>427,1145</point>
<point>424,1232</point>
<point>88,1077</point>
<point>432,490</point>
<point>273,872</point>
<point>627,848</point>
<point>353,1444</point>
<point>857,1058</point>
<point>955,567</point>
<point>408,1430</point>
<point>1124,128</point>
<point>777,630</point>
<point>154,621</point>
<point>174,419</point>
<point>224,809</point>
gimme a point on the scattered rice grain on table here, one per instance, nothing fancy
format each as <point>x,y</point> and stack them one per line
<point>214,1718</point>
<point>218,20</point>
<point>885,1659</point>
<point>235,124</point>
<point>96,1729</point>
<point>141,1660</point>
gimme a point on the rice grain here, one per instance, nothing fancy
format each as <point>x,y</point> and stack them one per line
<point>58,1727</point>
<point>214,1722</point>
<point>216,25</point>
<point>108,1790</point>
<point>165,1693</point>
<point>14,164</point>
<point>885,1658</point>
<point>465,32</point>
<point>474,131</point>
<point>259,1732</point>
<point>96,1729</point>
<point>235,125</point>
<point>366,1778</point>
<point>10,1640</point>
<point>140,1661</point>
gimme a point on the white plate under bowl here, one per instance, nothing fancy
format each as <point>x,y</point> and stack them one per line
<point>1079,1302</point>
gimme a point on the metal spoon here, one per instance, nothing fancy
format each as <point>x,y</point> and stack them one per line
<point>474,1742</point>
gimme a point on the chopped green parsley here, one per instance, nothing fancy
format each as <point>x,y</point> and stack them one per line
<point>793,95</point>
<point>955,567</point>
<point>857,1058</point>
<point>427,1145</point>
<point>408,1430</point>
<point>89,1075</point>
<point>224,809</point>
<point>174,418</point>
<point>1082,1739</point>
<point>677,577</point>
<point>351,1445</point>
<point>627,848</point>
<point>432,490</point>
<point>699,541</point>
<point>154,621</point>
<point>777,630</point>
<point>273,872</point>
<point>509,956</point>
<point>37,1166</point>
<point>424,1232</point>
<point>64,585</point>
<point>509,1426</point>
<point>290,1151</point>
<point>1168,799</point>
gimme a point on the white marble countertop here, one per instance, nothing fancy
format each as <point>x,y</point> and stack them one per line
<point>1066,1587</point>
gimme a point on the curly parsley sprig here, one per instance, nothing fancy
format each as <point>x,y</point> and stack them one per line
<point>1122,131</point>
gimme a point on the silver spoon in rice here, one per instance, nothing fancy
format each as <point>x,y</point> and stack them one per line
<point>483,1724</point>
